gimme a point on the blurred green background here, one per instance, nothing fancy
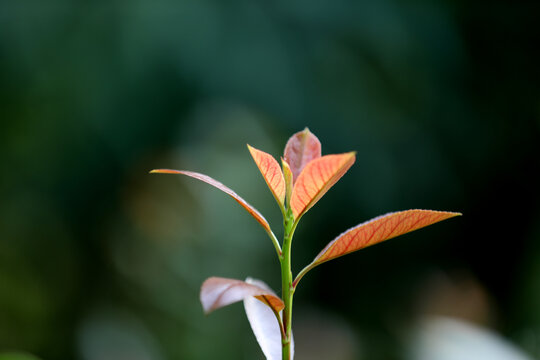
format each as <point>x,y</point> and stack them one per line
<point>100,260</point>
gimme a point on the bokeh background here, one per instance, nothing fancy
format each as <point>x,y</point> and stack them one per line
<point>100,260</point>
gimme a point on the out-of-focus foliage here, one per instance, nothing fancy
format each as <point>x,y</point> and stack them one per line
<point>16,356</point>
<point>100,260</point>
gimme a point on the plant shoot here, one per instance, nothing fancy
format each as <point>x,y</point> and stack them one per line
<point>303,178</point>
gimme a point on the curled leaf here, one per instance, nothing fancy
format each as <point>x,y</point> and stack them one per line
<point>271,173</point>
<point>316,179</point>
<point>264,325</point>
<point>287,175</point>
<point>207,179</point>
<point>218,292</point>
<point>379,229</point>
<point>301,148</point>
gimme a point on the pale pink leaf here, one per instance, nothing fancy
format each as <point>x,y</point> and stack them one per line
<point>218,292</point>
<point>265,325</point>
<point>301,148</point>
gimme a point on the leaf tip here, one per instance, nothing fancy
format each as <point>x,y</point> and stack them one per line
<point>206,312</point>
<point>164,171</point>
<point>447,214</point>
<point>253,151</point>
<point>349,158</point>
<point>285,165</point>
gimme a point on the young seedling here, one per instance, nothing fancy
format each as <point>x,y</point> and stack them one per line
<point>304,177</point>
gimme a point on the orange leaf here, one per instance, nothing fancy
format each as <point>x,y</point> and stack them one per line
<point>218,292</point>
<point>271,173</point>
<point>207,179</point>
<point>379,229</point>
<point>316,179</point>
<point>301,148</point>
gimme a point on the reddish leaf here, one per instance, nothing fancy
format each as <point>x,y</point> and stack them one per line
<point>301,148</point>
<point>379,229</point>
<point>271,173</point>
<point>316,179</point>
<point>218,292</point>
<point>225,189</point>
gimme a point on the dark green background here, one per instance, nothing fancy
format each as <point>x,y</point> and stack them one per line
<point>100,260</point>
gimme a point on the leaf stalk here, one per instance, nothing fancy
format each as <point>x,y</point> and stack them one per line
<point>275,242</point>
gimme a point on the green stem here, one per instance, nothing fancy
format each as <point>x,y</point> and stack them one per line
<point>287,285</point>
